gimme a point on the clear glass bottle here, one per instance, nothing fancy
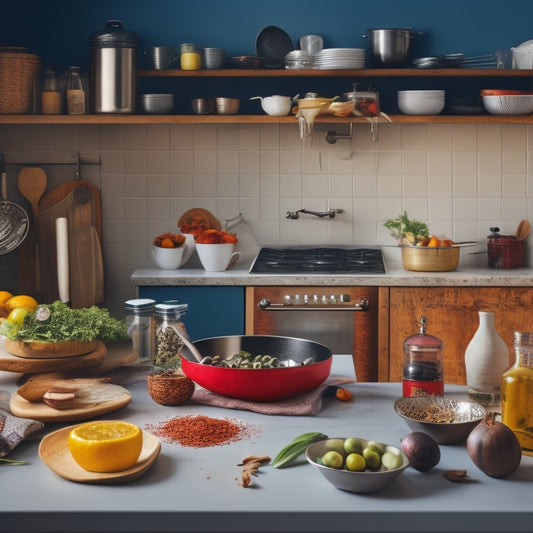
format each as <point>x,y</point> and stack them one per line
<point>423,364</point>
<point>140,324</point>
<point>76,92</point>
<point>168,319</point>
<point>51,92</point>
<point>517,392</point>
<point>494,248</point>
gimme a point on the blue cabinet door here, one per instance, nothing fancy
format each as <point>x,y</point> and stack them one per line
<point>213,311</point>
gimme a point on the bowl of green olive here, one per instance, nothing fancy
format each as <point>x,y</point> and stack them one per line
<point>357,465</point>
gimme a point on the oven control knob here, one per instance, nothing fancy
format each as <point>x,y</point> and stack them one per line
<point>296,299</point>
<point>332,299</point>
<point>306,299</point>
<point>286,300</point>
<point>324,299</point>
<point>315,299</point>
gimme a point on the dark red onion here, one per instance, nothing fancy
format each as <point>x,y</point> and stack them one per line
<point>494,448</point>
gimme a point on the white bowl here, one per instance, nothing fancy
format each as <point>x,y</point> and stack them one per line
<point>421,102</point>
<point>360,482</point>
<point>157,103</point>
<point>509,104</point>
<point>173,258</point>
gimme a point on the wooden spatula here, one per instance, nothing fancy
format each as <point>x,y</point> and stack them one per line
<point>32,182</point>
<point>523,230</point>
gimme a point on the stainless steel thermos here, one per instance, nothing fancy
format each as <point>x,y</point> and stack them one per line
<point>114,53</point>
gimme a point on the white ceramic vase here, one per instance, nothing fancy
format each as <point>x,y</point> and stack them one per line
<point>486,359</point>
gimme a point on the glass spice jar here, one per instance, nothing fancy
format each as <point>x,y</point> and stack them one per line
<point>423,364</point>
<point>517,392</point>
<point>168,319</point>
<point>140,325</point>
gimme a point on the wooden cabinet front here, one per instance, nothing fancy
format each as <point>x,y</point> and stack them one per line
<point>452,316</point>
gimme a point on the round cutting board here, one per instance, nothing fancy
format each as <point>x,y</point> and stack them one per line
<point>49,350</point>
<point>54,452</point>
<point>101,399</point>
<point>27,365</point>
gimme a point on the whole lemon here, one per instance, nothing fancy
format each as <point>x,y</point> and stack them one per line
<point>106,446</point>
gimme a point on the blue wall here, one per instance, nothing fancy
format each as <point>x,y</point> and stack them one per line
<point>59,30</point>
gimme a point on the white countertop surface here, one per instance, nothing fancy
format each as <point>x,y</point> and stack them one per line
<point>396,276</point>
<point>196,490</point>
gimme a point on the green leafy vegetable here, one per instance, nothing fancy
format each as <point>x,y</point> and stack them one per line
<point>294,449</point>
<point>12,462</point>
<point>66,324</point>
<point>406,230</point>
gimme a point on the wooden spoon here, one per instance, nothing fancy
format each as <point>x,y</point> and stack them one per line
<point>523,230</point>
<point>32,183</point>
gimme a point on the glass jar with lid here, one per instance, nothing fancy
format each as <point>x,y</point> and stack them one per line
<point>76,91</point>
<point>517,392</point>
<point>140,325</point>
<point>168,343</point>
<point>423,364</point>
<point>51,92</point>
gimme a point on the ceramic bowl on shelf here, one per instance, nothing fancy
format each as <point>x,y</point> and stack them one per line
<point>352,481</point>
<point>173,258</point>
<point>447,421</point>
<point>421,102</point>
<point>508,104</point>
<point>157,103</point>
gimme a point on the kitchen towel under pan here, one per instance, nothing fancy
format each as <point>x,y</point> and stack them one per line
<point>307,404</point>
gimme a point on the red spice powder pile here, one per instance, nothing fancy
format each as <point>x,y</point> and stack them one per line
<point>199,431</point>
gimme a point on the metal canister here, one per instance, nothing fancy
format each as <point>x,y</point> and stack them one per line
<point>113,69</point>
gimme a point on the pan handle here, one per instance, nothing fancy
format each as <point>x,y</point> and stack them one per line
<point>266,305</point>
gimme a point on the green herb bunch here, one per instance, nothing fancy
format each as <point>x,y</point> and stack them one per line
<point>406,230</point>
<point>66,324</point>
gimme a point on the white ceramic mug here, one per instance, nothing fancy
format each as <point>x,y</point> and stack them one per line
<point>217,257</point>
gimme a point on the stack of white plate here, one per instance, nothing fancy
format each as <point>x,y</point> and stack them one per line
<point>340,58</point>
<point>421,102</point>
<point>213,58</point>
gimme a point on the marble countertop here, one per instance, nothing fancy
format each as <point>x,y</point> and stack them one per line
<point>466,275</point>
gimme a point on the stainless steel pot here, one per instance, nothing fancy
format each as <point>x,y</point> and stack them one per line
<point>113,69</point>
<point>391,47</point>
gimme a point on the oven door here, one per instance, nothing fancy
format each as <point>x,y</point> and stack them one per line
<point>342,318</point>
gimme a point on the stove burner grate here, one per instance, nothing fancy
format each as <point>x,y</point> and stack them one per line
<point>319,261</point>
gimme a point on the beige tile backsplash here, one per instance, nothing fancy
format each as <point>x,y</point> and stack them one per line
<point>462,179</point>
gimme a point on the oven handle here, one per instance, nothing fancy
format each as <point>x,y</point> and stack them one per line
<point>265,305</point>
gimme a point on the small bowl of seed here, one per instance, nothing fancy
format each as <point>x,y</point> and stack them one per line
<point>170,387</point>
<point>447,421</point>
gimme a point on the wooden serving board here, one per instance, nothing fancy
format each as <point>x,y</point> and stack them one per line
<point>55,453</point>
<point>49,350</point>
<point>107,397</point>
<point>25,365</point>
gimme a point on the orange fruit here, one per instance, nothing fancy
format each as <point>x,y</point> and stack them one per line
<point>433,242</point>
<point>22,300</point>
<point>4,297</point>
<point>106,446</point>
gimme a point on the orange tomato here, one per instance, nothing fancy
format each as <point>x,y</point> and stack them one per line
<point>447,242</point>
<point>433,242</point>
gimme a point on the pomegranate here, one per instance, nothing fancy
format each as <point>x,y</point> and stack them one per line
<point>422,450</point>
<point>494,448</point>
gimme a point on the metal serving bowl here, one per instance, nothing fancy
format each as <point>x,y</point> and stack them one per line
<point>447,421</point>
<point>265,384</point>
<point>227,106</point>
<point>360,482</point>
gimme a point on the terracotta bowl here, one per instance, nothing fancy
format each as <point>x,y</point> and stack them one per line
<point>170,388</point>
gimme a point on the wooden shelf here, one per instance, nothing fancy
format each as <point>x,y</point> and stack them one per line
<point>356,73</point>
<point>291,73</point>
<point>256,119</point>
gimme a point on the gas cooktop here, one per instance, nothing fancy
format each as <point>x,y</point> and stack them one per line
<point>319,261</point>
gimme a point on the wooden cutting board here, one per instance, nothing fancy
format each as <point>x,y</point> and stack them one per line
<point>25,365</point>
<point>104,398</point>
<point>81,207</point>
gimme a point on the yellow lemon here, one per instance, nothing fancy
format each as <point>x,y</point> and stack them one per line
<point>106,446</point>
<point>17,316</point>
<point>22,300</point>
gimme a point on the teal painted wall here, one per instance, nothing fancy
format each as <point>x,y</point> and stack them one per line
<point>59,30</point>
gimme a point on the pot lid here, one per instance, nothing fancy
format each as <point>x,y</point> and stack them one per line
<point>114,36</point>
<point>423,341</point>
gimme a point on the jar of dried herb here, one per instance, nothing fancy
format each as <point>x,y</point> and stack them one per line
<point>168,319</point>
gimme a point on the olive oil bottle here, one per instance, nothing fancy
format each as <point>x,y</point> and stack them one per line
<point>517,392</point>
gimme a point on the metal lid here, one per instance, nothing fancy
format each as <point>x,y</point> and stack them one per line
<point>139,303</point>
<point>114,36</point>
<point>423,341</point>
<point>170,309</point>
